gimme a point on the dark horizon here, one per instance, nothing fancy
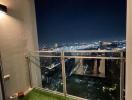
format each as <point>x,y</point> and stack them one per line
<point>61,21</point>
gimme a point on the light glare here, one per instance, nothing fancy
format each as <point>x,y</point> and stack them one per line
<point>2,14</point>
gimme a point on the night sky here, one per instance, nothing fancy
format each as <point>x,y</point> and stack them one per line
<point>60,21</point>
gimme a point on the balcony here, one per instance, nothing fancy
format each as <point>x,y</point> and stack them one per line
<point>81,74</point>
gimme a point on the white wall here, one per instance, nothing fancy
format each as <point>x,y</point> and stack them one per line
<point>18,35</point>
<point>129,52</point>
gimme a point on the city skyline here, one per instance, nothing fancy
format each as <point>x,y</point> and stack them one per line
<point>63,21</point>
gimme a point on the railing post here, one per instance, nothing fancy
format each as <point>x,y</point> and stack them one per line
<point>63,73</point>
<point>122,71</point>
<point>29,70</point>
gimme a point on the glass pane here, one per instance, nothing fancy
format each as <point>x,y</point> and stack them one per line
<point>51,70</point>
<point>93,79</point>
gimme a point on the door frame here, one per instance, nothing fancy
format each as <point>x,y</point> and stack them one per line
<point>1,79</point>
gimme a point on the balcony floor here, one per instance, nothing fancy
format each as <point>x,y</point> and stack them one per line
<point>40,95</point>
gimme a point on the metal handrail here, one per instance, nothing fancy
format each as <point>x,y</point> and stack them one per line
<point>90,57</point>
<point>63,56</point>
<point>86,51</point>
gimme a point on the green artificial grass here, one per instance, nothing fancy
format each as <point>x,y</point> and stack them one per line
<point>43,95</point>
